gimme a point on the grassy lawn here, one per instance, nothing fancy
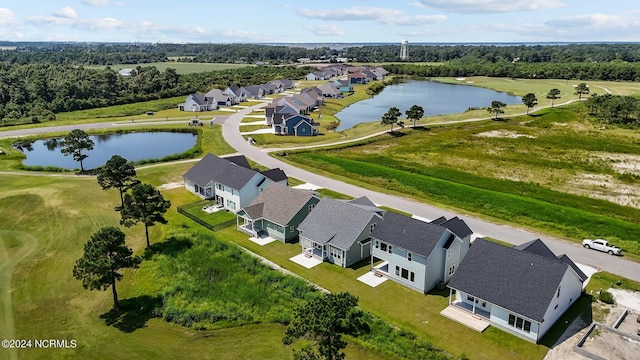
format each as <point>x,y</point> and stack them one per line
<point>181,67</point>
<point>252,120</point>
<point>250,128</point>
<point>411,310</point>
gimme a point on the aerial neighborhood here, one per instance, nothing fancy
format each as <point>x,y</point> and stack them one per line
<point>522,289</point>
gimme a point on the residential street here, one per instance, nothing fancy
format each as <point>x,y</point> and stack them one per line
<point>231,133</point>
<point>616,265</point>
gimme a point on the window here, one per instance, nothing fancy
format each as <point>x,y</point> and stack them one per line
<point>512,320</point>
<point>390,249</point>
<point>470,298</point>
<point>412,276</point>
<point>377,244</point>
<point>527,326</point>
<point>231,205</point>
<point>291,228</point>
<point>408,256</point>
<point>452,270</point>
<point>311,207</point>
<point>519,323</point>
<point>373,226</point>
<point>219,186</point>
<point>383,246</point>
<point>555,307</point>
<point>558,295</point>
<point>397,270</point>
<point>405,273</point>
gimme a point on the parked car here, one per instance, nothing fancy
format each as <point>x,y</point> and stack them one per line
<point>601,245</point>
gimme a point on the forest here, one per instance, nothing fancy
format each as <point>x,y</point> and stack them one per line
<point>108,54</point>
<point>36,92</point>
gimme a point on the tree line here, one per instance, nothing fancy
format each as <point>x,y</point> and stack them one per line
<point>36,92</point>
<point>612,71</point>
<point>111,53</point>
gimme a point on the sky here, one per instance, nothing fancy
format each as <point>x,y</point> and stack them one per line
<point>325,21</point>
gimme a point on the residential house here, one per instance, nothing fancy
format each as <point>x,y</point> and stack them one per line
<point>339,231</point>
<point>522,289</point>
<point>419,254</point>
<point>269,89</point>
<point>358,78</point>
<point>380,71</point>
<point>285,83</point>
<point>218,97</point>
<point>297,125</point>
<point>317,75</point>
<point>276,212</point>
<point>236,93</point>
<point>197,102</point>
<point>254,91</point>
<point>329,90</point>
<point>344,85</point>
<point>231,182</point>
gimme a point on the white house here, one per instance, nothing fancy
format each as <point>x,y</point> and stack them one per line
<point>522,290</point>
<point>231,181</point>
<point>419,254</point>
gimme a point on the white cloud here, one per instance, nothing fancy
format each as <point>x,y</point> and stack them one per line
<point>593,21</point>
<point>97,2</point>
<point>323,30</point>
<point>417,20</point>
<point>66,12</point>
<point>350,14</point>
<point>492,6</point>
<point>7,17</point>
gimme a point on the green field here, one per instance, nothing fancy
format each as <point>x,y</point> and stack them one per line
<point>555,171</point>
<point>181,67</point>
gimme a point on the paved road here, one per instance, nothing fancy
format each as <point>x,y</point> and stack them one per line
<point>616,265</point>
<point>231,134</point>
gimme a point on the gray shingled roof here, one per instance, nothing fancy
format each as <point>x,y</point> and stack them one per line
<point>239,160</point>
<point>278,203</point>
<point>211,167</point>
<point>540,248</point>
<point>335,222</point>
<point>275,174</point>
<point>410,234</point>
<point>519,281</point>
<point>458,227</point>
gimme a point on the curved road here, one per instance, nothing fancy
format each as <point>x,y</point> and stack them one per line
<point>602,261</point>
<point>231,134</point>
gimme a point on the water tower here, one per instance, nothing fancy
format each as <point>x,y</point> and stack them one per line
<point>404,50</point>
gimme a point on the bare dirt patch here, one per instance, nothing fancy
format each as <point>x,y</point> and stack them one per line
<point>605,187</point>
<point>504,134</point>
<point>171,185</point>
<point>621,163</point>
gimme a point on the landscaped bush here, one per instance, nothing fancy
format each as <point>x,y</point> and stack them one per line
<point>213,284</point>
<point>606,297</point>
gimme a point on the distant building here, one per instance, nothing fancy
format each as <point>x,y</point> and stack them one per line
<point>404,50</point>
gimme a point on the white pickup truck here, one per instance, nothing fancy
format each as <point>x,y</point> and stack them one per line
<point>601,245</point>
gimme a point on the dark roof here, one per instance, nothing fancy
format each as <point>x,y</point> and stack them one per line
<point>239,160</point>
<point>439,220</point>
<point>458,227</point>
<point>211,167</point>
<point>336,222</point>
<point>540,248</point>
<point>276,174</point>
<point>536,247</point>
<point>408,233</point>
<point>519,281</point>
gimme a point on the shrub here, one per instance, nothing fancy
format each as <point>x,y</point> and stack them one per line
<point>606,297</point>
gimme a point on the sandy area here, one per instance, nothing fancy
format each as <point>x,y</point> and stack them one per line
<point>503,134</point>
<point>606,187</point>
<point>171,185</point>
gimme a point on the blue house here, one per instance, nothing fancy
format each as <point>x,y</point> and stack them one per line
<point>298,125</point>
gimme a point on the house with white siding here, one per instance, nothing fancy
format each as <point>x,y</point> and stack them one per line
<point>522,289</point>
<point>419,254</point>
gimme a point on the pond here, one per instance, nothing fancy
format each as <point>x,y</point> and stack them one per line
<point>436,99</point>
<point>133,146</point>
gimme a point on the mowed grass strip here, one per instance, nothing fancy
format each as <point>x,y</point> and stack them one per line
<point>567,221</point>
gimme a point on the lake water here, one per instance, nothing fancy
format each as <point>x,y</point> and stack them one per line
<point>436,99</point>
<point>131,146</point>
